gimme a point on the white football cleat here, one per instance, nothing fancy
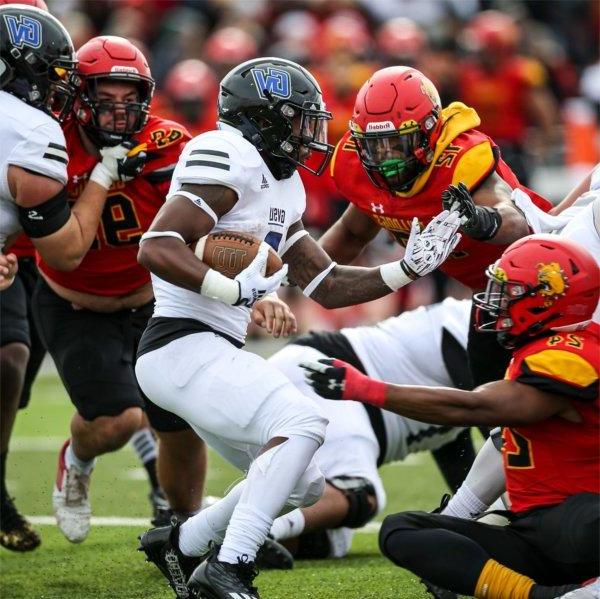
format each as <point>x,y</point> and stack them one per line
<point>589,591</point>
<point>70,500</point>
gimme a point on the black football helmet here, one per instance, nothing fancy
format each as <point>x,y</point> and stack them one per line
<point>278,106</point>
<point>37,59</point>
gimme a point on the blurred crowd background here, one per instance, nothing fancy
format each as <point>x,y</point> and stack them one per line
<point>530,68</point>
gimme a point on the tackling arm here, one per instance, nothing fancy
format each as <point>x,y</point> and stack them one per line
<point>504,403</point>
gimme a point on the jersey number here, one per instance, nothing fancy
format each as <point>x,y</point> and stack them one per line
<point>120,224</point>
<point>521,458</point>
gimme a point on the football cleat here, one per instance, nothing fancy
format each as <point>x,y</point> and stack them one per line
<point>274,556</point>
<point>438,592</point>
<point>161,546</point>
<point>16,533</point>
<point>161,510</point>
<point>70,500</point>
<point>213,579</point>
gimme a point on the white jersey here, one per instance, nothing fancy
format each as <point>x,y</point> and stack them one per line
<point>407,350</point>
<point>266,208</point>
<point>33,140</point>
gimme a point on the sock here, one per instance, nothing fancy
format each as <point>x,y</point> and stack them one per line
<point>85,467</point>
<point>3,490</point>
<point>271,479</point>
<point>497,582</point>
<point>288,526</point>
<point>145,447</point>
<point>208,525</point>
<point>465,504</point>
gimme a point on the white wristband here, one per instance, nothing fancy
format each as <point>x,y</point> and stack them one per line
<point>219,287</point>
<point>101,176</point>
<point>393,275</point>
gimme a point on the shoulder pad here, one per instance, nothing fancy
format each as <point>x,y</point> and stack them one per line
<point>474,165</point>
<point>43,151</point>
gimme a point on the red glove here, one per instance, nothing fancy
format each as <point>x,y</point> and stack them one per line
<point>335,379</point>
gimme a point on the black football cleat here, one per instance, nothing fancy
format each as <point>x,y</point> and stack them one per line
<point>274,556</point>
<point>438,592</point>
<point>161,546</point>
<point>213,579</point>
<point>16,533</point>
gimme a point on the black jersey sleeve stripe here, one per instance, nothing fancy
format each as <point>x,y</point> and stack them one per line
<point>550,385</point>
<point>160,176</point>
<point>55,157</point>
<point>57,147</point>
<point>210,153</point>
<point>224,167</point>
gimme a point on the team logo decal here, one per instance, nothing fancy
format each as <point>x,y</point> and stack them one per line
<point>553,278</point>
<point>24,31</point>
<point>275,82</point>
<point>500,274</point>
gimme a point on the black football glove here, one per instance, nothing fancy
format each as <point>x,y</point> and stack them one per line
<point>133,164</point>
<point>478,222</point>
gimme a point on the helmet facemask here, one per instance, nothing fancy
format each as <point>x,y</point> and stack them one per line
<point>91,108</point>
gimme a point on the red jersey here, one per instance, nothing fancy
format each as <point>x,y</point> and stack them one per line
<point>461,154</point>
<point>501,96</point>
<point>549,461</point>
<point>110,267</point>
<point>22,247</point>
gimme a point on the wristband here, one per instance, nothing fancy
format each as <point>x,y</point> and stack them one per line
<point>360,387</point>
<point>101,175</point>
<point>219,287</point>
<point>396,274</point>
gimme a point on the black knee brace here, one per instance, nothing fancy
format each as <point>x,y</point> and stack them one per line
<point>357,491</point>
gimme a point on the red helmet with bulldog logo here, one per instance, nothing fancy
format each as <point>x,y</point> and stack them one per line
<point>540,282</point>
<point>396,124</point>
<point>113,58</point>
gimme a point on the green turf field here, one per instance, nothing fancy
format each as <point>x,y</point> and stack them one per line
<point>107,564</point>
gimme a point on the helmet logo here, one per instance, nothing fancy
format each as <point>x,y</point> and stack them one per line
<point>381,126</point>
<point>500,274</point>
<point>429,90</point>
<point>276,82</point>
<point>123,69</point>
<point>24,31</point>
<point>553,278</point>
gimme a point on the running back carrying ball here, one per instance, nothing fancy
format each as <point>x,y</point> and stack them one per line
<point>230,252</point>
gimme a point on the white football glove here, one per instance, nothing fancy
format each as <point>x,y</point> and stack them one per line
<point>253,285</point>
<point>425,251</point>
<point>118,165</point>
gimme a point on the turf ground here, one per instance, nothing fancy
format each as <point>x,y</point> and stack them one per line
<point>107,564</point>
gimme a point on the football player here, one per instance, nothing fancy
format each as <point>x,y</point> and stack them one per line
<point>244,177</point>
<point>424,346</point>
<point>402,152</point>
<point>541,293</point>
<point>91,318</point>
<point>37,87</point>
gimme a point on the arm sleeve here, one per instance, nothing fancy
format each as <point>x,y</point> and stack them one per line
<point>43,152</point>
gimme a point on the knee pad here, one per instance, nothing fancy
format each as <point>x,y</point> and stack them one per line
<point>309,489</point>
<point>362,500</point>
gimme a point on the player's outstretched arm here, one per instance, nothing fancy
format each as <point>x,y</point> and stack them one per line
<point>346,238</point>
<point>334,286</point>
<point>500,403</point>
<point>488,214</point>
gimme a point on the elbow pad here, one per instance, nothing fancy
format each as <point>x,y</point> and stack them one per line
<point>46,218</point>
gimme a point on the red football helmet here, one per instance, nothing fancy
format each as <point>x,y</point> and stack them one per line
<point>540,282</point>
<point>36,3</point>
<point>491,31</point>
<point>117,59</point>
<point>396,124</point>
<point>191,79</point>
<point>228,47</point>
<point>401,39</point>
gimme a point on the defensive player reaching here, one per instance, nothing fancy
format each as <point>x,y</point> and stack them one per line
<point>423,346</point>
<point>243,177</point>
<point>37,86</point>
<point>540,293</point>
<point>402,152</point>
<point>91,319</point>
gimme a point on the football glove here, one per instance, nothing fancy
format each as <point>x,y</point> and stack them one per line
<point>478,222</point>
<point>336,379</point>
<point>119,163</point>
<point>252,284</point>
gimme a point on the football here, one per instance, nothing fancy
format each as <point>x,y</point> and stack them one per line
<point>230,252</point>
